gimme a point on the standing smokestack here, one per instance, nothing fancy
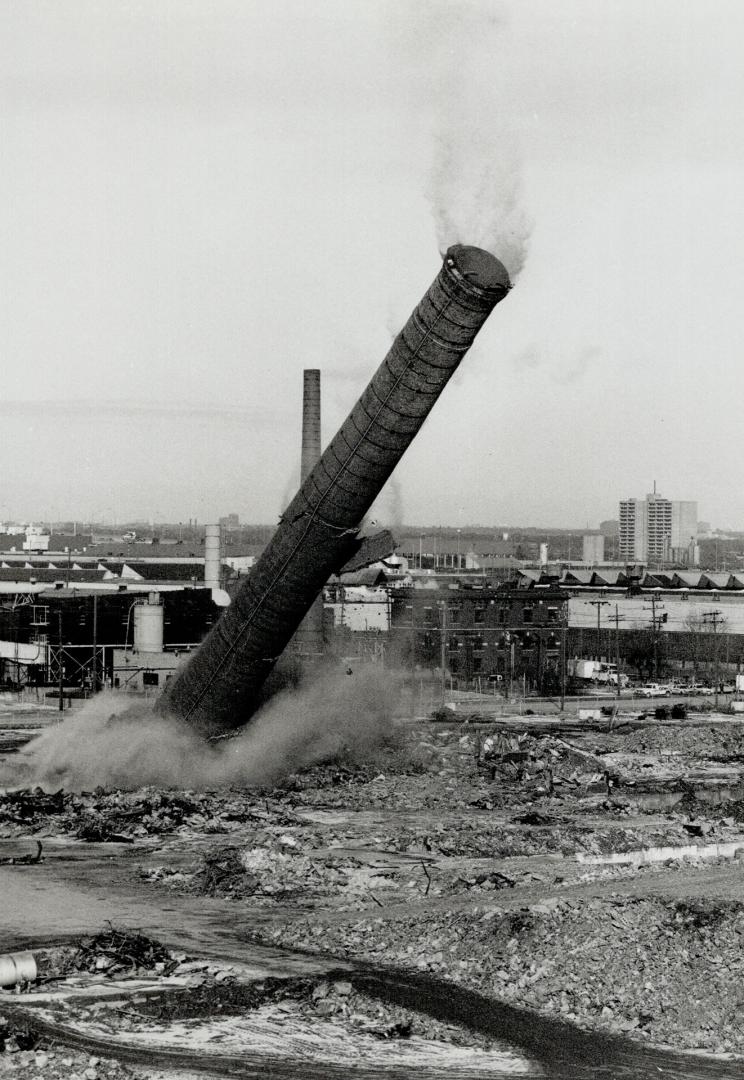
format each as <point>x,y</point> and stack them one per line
<point>219,687</point>
<point>308,641</point>
<point>310,422</point>
<point>212,557</point>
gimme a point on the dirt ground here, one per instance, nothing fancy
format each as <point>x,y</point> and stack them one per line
<point>586,874</point>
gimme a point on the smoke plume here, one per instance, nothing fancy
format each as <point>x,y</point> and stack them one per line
<point>475,185</point>
<point>111,743</point>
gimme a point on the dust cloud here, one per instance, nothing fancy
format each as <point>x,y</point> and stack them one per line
<point>387,509</point>
<point>113,744</point>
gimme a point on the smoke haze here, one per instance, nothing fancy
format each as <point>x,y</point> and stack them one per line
<point>112,744</point>
<point>475,185</point>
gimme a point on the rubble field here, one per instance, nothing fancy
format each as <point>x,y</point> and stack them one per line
<point>591,874</point>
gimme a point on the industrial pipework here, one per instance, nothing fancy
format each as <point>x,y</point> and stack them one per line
<point>219,687</point>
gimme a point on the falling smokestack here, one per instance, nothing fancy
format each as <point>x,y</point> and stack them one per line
<point>212,557</point>
<point>219,687</point>
<point>308,641</point>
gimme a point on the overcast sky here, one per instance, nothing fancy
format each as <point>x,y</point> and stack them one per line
<point>199,198</point>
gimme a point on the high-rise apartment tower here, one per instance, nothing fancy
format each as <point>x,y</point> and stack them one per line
<point>657,530</point>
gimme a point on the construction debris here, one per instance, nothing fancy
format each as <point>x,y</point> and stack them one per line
<point>488,856</point>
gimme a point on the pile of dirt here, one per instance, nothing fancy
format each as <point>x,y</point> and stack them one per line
<point>660,970</point>
<point>699,740</point>
<point>279,873</point>
<point>23,1050</point>
<point>333,998</point>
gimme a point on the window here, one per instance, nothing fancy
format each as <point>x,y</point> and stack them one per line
<point>503,614</point>
<point>150,678</point>
<point>454,616</point>
<point>479,614</point>
<point>454,642</point>
<point>428,617</point>
<point>528,612</point>
<point>477,664</point>
<point>552,614</point>
<point>39,615</point>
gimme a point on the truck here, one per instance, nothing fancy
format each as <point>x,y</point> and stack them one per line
<point>596,671</point>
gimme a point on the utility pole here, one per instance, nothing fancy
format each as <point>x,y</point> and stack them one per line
<point>713,618</point>
<point>656,626</point>
<point>61,698</point>
<point>443,648</point>
<point>95,643</point>
<point>563,661</point>
<point>599,604</point>
<point>618,619</point>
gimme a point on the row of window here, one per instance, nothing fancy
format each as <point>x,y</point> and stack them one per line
<point>524,641</point>
<point>432,617</point>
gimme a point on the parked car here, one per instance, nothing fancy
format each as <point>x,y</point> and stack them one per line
<point>652,690</point>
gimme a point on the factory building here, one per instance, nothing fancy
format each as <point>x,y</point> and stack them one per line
<point>481,635</point>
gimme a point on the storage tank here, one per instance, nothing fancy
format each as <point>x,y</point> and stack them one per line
<point>212,557</point>
<point>219,687</point>
<point>148,625</point>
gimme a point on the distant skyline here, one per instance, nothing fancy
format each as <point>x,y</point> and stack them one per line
<point>200,198</point>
